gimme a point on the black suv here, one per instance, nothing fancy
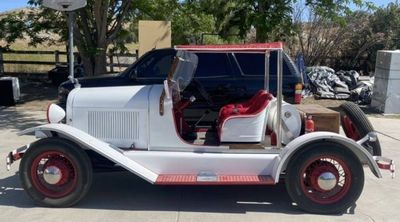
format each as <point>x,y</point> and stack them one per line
<point>225,77</point>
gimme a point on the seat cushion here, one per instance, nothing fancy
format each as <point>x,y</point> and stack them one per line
<point>240,108</point>
<point>245,104</point>
<point>233,106</point>
<point>227,111</point>
<point>258,103</point>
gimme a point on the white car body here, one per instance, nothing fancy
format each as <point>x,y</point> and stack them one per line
<point>133,121</point>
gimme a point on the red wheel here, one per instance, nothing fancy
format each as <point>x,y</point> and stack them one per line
<point>55,172</point>
<point>325,178</point>
<point>349,128</point>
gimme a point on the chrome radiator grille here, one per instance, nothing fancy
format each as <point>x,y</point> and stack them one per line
<point>109,125</point>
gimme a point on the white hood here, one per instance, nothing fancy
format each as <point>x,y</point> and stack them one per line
<point>117,115</point>
<point>122,97</point>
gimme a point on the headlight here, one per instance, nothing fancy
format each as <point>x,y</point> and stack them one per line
<point>55,114</point>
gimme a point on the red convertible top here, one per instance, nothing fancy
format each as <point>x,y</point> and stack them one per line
<point>256,47</point>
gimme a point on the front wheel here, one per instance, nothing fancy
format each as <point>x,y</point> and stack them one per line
<point>55,172</point>
<point>326,179</point>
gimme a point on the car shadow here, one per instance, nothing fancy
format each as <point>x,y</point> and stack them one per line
<point>36,91</point>
<point>124,191</point>
<point>17,119</point>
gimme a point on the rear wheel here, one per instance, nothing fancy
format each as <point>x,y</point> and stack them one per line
<point>55,172</point>
<point>356,125</point>
<point>327,179</point>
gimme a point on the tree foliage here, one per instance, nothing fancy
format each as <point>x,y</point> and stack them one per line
<point>381,30</point>
<point>272,19</point>
<point>109,24</point>
<point>351,46</point>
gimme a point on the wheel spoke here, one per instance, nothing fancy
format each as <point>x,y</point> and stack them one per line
<point>317,167</point>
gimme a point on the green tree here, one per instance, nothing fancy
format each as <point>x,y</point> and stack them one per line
<point>387,22</point>
<point>271,19</point>
<point>380,31</point>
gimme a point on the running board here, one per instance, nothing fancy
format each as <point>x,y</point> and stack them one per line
<point>192,179</point>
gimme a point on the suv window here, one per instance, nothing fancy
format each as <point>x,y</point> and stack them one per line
<point>254,64</point>
<point>212,65</point>
<point>251,64</point>
<point>156,64</point>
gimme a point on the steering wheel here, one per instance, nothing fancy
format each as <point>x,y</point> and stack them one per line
<point>203,92</point>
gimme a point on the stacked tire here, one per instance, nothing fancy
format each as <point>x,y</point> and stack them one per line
<point>356,125</point>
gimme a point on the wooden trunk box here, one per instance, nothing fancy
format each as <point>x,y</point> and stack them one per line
<point>325,119</point>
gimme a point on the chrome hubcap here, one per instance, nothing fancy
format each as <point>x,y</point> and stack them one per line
<point>52,175</point>
<point>327,181</point>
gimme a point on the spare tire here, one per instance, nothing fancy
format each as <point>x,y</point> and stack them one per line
<point>356,125</point>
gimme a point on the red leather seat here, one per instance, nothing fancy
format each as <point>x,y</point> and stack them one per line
<point>240,108</point>
<point>246,104</point>
<point>255,105</point>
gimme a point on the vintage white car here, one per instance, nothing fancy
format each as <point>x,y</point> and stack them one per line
<point>139,128</point>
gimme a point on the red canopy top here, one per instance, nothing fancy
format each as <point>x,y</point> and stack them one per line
<point>256,47</point>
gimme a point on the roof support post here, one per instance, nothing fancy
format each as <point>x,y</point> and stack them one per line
<point>279,100</point>
<point>266,78</point>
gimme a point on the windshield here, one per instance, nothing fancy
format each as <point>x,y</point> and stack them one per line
<point>182,71</point>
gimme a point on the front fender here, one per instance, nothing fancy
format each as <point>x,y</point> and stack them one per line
<point>301,142</point>
<point>89,142</point>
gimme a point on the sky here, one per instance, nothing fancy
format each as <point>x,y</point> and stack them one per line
<point>6,5</point>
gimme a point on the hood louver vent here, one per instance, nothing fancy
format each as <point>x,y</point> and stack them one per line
<point>109,125</point>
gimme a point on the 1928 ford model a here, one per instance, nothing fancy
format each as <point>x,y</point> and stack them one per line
<point>140,128</point>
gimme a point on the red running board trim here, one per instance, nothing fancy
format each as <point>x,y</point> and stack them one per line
<point>188,179</point>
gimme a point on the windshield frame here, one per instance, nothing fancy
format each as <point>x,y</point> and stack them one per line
<point>183,70</point>
<point>179,77</point>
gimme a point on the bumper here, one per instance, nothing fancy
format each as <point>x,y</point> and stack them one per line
<point>15,155</point>
<point>382,162</point>
<point>386,164</point>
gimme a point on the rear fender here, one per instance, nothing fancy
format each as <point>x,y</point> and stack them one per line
<point>87,141</point>
<point>302,142</point>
